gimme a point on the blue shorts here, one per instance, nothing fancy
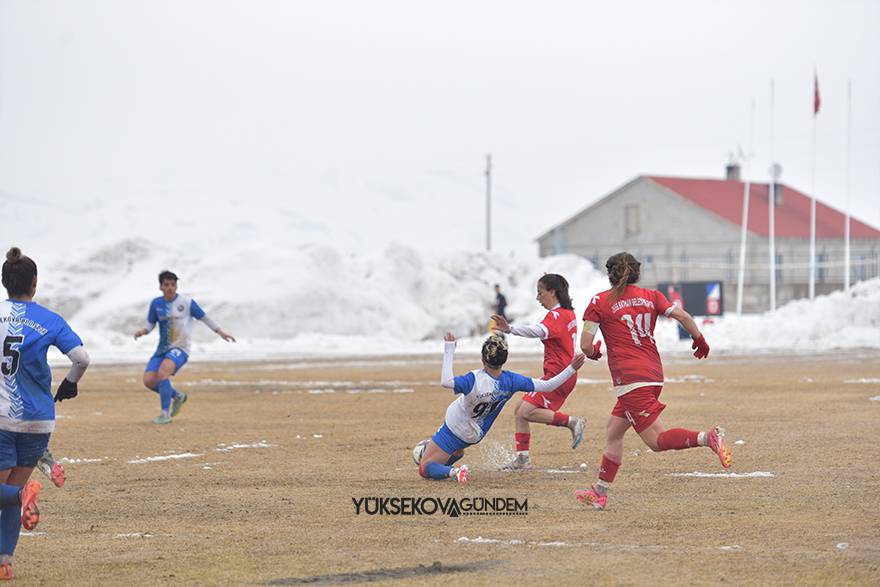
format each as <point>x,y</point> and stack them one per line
<point>178,356</point>
<point>21,449</point>
<point>449,442</point>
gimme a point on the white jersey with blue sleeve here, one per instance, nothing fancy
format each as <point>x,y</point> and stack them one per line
<point>175,319</point>
<point>27,330</point>
<point>482,396</point>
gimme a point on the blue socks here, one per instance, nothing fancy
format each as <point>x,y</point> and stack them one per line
<point>166,392</point>
<point>10,495</point>
<point>437,471</point>
<point>10,518</point>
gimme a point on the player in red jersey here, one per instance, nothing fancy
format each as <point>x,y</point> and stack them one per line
<point>558,332</point>
<point>627,314</point>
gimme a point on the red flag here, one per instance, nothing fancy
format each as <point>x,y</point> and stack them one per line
<point>817,101</point>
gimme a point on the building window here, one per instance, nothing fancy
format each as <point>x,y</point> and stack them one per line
<point>821,273</point>
<point>631,219</point>
<point>778,267</point>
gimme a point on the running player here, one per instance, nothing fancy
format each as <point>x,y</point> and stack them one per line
<point>558,331</point>
<point>626,314</point>
<point>483,394</point>
<point>175,313</point>
<point>27,409</point>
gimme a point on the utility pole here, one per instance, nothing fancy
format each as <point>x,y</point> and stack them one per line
<point>488,202</point>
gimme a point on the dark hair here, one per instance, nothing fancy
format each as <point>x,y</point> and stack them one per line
<point>558,284</point>
<point>623,269</point>
<point>167,275</point>
<point>18,273</point>
<point>494,351</point>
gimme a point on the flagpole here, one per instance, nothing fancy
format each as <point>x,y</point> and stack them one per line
<point>813,195</point>
<point>771,197</point>
<point>745,218</point>
<point>846,251</point>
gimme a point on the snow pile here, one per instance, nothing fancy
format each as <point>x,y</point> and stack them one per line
<point>839,320</point>
<point>287,284</point>
<point>280,283</point>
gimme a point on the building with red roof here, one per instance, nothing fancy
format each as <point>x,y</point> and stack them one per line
<point>689,229</point>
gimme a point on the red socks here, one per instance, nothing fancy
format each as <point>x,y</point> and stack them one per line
<point>559,419</point>
<point>523,439</point>
<point>608,469</point>
<point>677,439</point>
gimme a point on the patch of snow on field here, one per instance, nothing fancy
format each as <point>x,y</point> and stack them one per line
<point>870,380</point>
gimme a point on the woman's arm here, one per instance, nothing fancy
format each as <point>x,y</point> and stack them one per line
<point>557,380</point>
<point>79,359</point>
<point>531,331</point>
<point>447,377</point>
<point>700,346</point>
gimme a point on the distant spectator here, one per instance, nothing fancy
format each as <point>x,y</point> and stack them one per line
<point>500,302</point>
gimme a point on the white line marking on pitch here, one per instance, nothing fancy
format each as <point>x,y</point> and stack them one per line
<point>557,543</point>
<point>222,447</point>
<point>731,475</point>
<point>228,447</point>
<point>186,455</point>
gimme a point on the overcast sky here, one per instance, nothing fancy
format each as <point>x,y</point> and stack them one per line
<point>369,106</point>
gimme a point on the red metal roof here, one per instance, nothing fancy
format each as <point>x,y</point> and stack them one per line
<point>725,198</point>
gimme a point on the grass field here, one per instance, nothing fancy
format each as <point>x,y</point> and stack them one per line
<point>253,482</point>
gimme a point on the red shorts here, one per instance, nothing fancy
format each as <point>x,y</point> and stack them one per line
<point>552,400</point>
<point>640,406</point>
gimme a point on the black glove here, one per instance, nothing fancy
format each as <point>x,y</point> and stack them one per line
<point>66,390</point>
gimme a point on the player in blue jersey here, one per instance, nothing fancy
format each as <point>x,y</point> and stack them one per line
<point>175,314</point>
<point>482,394</point>
<point>27,408</point>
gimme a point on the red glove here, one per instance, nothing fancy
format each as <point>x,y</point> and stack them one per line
<point>701,347</point>
<point>597,351</point>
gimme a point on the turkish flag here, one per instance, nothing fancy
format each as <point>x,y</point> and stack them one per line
<point>817,101</point>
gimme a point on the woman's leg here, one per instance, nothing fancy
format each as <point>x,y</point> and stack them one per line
<point>433,464</point>
<point>612,456</point>
<point>11,514</point>
<point>660,439</point>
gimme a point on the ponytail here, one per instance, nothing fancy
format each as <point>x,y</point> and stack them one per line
<point>623,269</point>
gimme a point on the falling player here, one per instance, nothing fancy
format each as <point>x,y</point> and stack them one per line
<point>175,314</point>
<point>482,394</point>
<point>558,331</point>
<point>626,314</point>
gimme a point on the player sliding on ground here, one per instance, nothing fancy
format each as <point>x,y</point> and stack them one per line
<point>626,314</point>
<point>558,332</point>
<point>482,394</point>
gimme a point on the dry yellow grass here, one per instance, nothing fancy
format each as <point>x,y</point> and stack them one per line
<point>283,514</point>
